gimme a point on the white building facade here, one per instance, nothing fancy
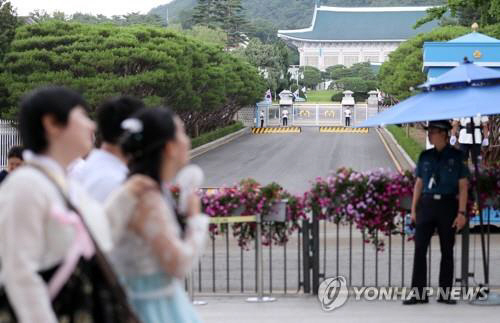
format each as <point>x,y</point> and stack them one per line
<point>347,36</point>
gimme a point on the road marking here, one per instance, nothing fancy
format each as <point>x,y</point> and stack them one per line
<point>343,130</point>
<point>276,130</point>
<point>389,151</point>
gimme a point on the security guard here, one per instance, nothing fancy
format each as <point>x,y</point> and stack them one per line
<point>439,201</point>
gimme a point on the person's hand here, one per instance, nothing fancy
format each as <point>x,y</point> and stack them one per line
<point>459,222</point>
<point>453,140</point>
<point>139,184</point>
<point>193,205</point>
<point>486,142</point>
<point>413,216</point>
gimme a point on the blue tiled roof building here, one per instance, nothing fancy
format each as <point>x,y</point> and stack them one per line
<point>351,35</point>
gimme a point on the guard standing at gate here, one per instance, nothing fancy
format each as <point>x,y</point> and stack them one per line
<point>347,113</point>
<point>285,117</point>
<point>472,134</point>
<point>439,202</point>
<point>262,118</point>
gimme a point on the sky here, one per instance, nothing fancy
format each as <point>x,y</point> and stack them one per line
<point>105,7</point>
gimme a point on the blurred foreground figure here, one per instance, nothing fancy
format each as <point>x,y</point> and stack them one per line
<point>152,255</point>
<point>52,234</point>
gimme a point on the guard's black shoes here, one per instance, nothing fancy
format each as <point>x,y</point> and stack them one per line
<point>413,301</point>
<point>447,301</point>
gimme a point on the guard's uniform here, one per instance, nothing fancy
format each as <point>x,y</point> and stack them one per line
<point>437,208</point>
<point>347,113</point>
<point>466,137</point>
<point>285,118</point>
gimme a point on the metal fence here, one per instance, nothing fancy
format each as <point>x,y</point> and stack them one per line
<point>323,249</point>
<point>228,268</point>
<point>9,136</point>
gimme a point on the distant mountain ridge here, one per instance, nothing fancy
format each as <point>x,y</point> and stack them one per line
<point>284,14</point>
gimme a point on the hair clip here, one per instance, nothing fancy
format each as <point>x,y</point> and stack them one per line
<point>132,125</point>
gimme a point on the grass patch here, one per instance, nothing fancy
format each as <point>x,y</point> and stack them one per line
<point>412,147</point>
<point>320,96</point>
<point>216,134</point>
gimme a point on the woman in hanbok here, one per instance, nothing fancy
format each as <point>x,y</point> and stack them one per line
<point>152,253</point>
<point>41,240</point>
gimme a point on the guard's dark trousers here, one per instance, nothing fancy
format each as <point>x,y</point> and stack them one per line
<point>347,121</point>
<point>285,121</point>
<point>431,215</point>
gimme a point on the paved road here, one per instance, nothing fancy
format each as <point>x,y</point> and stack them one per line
<point>307,309</point>
<point>292,160</point>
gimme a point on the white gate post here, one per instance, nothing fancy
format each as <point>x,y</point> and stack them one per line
<point>317,114</point>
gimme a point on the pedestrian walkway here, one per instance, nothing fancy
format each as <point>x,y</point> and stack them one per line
<point>271,130</point>
<point>304,308</point>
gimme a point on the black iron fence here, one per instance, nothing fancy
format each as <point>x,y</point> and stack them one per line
<point>323,249</point>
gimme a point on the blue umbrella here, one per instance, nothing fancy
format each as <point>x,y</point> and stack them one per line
<point>464,91</point>
<point>441,104</point>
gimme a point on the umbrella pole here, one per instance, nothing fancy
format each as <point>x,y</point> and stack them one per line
<point>492,298</point>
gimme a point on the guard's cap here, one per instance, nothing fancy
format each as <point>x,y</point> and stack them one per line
<point>440,124</point>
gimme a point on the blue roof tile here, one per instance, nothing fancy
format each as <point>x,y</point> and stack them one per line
<point>357,24</point>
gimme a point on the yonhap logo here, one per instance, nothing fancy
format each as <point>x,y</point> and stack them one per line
<point>333,293</point>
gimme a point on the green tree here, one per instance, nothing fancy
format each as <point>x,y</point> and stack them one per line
<point>337,72</point>
<point>235,24</point>
<point>312,76</point>
<point>203,84</point>
<point>485,12</point>
<point>286,14</point>
<point>205,14</point>
<point>271,59</point>
<point>223,14</point>
<point>133,18</point>
<point>207,35</point>
<point>8,24</point>
<point>357,84</point>
<point>403,70</point>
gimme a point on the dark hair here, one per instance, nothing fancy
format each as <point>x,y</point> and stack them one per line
<point>111,114</point>
<point>144,146</point>
<point>15,152</point>
<point>55,101</point>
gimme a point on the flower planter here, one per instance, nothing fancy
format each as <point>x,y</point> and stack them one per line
<point>278,212</point>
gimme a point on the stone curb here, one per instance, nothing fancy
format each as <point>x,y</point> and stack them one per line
<point>219,142</point>
<point>401,150</point>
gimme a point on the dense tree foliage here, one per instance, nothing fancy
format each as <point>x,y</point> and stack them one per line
<point>133,18</point>
<point>8,24</point>
<point>311,77</point>
<point>361,70</point>
<point>271,59</point>
<point>202,33</point>
<point>226,15</point>
<point>466,12</point>
<point>286,14</point>
<point>202,83</point>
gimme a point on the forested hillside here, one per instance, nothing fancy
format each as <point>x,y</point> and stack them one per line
<point>282,14</point>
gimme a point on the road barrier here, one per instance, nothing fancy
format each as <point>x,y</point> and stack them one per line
<point>343,130</point>
<point>271,130</point>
